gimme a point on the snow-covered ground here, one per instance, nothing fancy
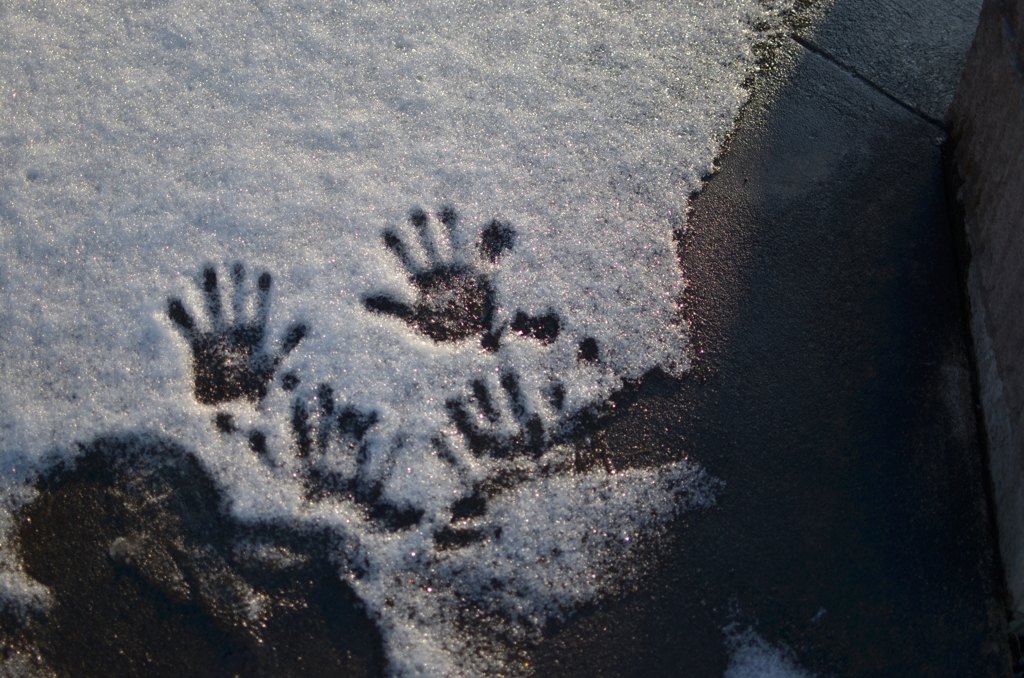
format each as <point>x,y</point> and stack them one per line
<point>420,243</point>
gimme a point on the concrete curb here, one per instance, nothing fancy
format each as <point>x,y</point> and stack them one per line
<point>986,123</point>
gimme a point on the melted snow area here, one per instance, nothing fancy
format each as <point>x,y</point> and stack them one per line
<point>377,264</point>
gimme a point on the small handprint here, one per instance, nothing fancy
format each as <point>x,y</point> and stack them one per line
<point>231,361</point>
<point>327,448</point>
<point>318,420</point>
<point>511,425</point>
<point>455,298</point>
<point>479,418</point>
<point>328,440</point>
<point>334,461</point>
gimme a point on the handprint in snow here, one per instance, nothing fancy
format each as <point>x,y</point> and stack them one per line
<point>481,415</point>
<point>328,443</point>
<point>455,297</point>
<point>327,449</point>
<point>329,453</point>
<point>482,427</point>
<point>231,360</point>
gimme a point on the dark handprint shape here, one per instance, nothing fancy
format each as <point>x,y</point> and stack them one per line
<point>333,459</point>
<point>231,360</point>
<point>477,416</point>
<point>455,298</point>
<point>328,451</point>
<point>328,442</point>
<point>319,420</point>
<point>479,427</point>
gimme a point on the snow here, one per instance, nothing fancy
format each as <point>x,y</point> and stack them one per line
<point>352,151</point>
<point>754,657</point>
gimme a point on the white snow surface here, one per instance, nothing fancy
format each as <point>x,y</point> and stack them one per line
<point>751,656</point>
<point>142,142</point>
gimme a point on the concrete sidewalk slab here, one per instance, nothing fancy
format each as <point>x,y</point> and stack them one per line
<point>914,50</point>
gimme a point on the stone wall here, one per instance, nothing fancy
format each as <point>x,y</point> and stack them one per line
<point>986,123</point>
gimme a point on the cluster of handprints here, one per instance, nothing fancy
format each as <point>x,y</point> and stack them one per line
<point>157,542</point>
<point>455,301</point>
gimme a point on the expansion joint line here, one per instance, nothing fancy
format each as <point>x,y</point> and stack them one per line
<point>863,78</point>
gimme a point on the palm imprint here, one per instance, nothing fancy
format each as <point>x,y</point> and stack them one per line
<point>231,360</point>
<point>328,437</point>
<point>479,418</point>
<point>455,298</point>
